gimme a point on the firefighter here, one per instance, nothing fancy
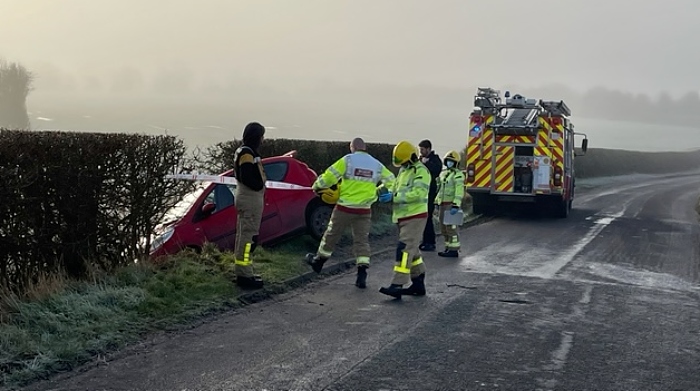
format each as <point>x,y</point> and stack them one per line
<point>249,201</point>
<point>360,173</point>
<point>449,200</point>
<point>409,195</point>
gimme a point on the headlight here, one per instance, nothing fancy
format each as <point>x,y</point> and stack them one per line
<point>162,238</point>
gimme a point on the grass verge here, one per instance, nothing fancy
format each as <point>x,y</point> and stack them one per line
<point>74,322</point>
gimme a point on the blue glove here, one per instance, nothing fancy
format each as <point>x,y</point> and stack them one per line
<point>385,197</point>
<point>454,210</point>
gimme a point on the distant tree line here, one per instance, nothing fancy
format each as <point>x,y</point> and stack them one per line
<point>15,85</point>
<point>611,104</point>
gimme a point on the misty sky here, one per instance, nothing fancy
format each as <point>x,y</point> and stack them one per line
<point>636,45</point>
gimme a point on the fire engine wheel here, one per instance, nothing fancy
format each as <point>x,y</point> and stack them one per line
<point>483,210</point>
<point>318,215</point>
<point>562,208</point>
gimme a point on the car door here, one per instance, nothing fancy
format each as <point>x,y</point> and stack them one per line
<point>219,225</point>
<point>270,225</point>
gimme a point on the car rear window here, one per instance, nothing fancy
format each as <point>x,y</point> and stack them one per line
<point>276,171</point>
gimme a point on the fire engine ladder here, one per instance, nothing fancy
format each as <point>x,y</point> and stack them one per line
<point>487,99</point>
<point>519,122</point>
<point>520,118</point>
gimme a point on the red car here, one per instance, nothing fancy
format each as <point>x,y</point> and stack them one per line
<point>209,215</point>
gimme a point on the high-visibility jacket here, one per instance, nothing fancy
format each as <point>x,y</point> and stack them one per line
<point>450,187</point>
<point>360,173</point>
<point>410,192</point>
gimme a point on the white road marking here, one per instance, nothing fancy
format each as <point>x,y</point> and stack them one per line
<point>586,298</point>
<point>550,269</point>
<point>630,276</point>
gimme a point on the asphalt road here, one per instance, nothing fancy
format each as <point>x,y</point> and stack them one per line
<point>607,299</point>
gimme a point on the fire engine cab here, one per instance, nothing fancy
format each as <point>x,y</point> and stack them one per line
<point>520,151</point>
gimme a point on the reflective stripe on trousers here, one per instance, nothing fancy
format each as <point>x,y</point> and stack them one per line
<point>249,205</point>
<point>449,232</point>
<point>246,261</point>
<point>410,234</point>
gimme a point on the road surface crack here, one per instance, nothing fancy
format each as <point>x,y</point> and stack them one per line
<point>515,301</point>
<point>461,286</point>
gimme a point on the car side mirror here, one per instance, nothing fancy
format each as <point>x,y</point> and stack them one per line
<point>584,145</point>
<point>208,208</point>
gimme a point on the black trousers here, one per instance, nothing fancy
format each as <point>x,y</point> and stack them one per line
<point>429,231</point>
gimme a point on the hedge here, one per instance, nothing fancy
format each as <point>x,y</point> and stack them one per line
<point>72,201</point>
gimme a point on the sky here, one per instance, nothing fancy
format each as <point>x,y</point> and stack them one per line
<point>89,54</point>
<point>636,45</point>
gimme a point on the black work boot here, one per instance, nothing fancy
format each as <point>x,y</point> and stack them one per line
<point>417,287</point>
<point>315,261</point>
<point>449,253</point>
<point>361,281</point>
<point>250,283</point>
<point>427,247</point>
<point>394,290</point>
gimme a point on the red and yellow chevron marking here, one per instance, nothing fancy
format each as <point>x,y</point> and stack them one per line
<point>557,148</point>
<point>556,143</point>
<point>515,139</point>
<point>504,168</point>
<point>483,157</point>
<point>542,148</point>
<point>480,153</point>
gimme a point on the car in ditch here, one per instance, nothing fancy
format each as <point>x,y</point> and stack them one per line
<point>208,214</point>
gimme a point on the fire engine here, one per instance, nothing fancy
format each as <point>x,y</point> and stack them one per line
<point>520,151</point>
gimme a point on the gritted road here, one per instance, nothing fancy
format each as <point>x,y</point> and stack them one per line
<point>607,299</point>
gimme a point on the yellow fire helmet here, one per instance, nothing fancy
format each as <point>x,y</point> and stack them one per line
<point>452,155</point>
<point>402,153</point>
<point>329,195</point>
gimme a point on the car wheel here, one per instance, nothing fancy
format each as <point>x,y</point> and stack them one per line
<point>317,219</point>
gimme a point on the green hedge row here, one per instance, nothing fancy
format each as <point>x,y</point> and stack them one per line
<point>72,201</point>
<point>610,162</point>
<point>318,155</point>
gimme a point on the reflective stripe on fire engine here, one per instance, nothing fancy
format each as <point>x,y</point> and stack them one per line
<point>515,139</point>
<point>554,143</point>
<point>542,148</point>
<point>232,181</point>
<point>558,155</point>
<point>480,153</point>
<point>504,168</point>
<point>557,146</point>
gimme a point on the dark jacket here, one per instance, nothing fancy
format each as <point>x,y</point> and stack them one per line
<point>247,165</point>
<point>434,164</point>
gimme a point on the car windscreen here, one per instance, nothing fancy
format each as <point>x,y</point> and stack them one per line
<point>180,209</point>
